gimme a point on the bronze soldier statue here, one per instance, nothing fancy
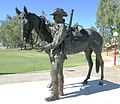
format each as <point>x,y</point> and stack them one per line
<point>88,42</point>
<point>58,53</point>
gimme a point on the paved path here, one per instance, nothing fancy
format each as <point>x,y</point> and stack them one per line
<point>75,92</point>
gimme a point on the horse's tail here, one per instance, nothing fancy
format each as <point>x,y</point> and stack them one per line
<point>97,65</point>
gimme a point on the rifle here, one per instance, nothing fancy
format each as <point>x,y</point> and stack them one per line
<point>70,23</point>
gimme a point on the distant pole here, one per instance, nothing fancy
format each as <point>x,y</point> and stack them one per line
<point>115,34</point>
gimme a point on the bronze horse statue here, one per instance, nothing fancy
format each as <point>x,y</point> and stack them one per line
<point>89,42</point>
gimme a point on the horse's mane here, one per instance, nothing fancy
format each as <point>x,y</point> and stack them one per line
<point>44,31</point>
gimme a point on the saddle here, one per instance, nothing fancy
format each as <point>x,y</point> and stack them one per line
<point>78,32</point>
<point>73,39</point>
<point>81,34</point>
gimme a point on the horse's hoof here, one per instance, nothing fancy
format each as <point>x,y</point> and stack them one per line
<point>100,83</point>
<point>85,82</point>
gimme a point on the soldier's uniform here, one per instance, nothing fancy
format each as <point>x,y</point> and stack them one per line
<point>58,54</point>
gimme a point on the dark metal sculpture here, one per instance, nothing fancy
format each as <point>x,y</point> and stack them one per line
<point>89,41</point>
<point>25,36</point>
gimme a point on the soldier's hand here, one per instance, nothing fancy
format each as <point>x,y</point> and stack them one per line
<point>44,44</point>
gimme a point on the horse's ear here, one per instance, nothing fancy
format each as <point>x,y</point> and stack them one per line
<point>25,10</point>
<point>17,11</point>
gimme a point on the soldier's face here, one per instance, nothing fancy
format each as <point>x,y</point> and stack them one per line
<point>57,18</point>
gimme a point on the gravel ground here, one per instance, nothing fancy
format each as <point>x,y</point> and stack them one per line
<point>111,74</point>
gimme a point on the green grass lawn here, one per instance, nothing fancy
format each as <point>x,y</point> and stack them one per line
<point>17,61</point>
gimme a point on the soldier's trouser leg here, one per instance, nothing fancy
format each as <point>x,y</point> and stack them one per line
<point>59,62</point>
<point>54,76</point>
<point>61,77</point>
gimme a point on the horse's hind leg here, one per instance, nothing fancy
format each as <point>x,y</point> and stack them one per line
<point>101,63</point>
<point>88,53</point>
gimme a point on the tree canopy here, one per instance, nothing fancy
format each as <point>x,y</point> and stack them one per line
<point>9,31</point>
<point>108,18</point>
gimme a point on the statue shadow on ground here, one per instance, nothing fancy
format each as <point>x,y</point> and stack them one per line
<point>91,88</point>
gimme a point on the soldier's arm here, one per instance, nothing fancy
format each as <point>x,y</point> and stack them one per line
<point>59,37</point>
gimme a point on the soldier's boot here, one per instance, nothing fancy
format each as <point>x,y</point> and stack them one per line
<point>55,94</point>
<point>61,86</point>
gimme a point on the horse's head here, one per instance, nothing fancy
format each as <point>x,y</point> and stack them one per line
<point>26,26</point>
<point>28,21</point>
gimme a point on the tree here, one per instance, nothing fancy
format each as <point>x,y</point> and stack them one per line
<point>9,30</point>
<point>108,18</point>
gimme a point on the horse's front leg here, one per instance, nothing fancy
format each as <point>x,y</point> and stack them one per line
<point>21,46</point>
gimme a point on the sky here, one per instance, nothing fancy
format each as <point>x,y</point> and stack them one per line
<point>84,10</point>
